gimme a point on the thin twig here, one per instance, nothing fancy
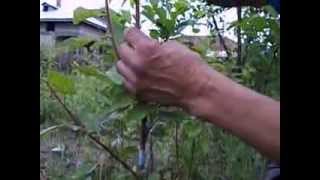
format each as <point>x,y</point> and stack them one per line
<point>151,155</point>
<point>78,122</point>
<point>137,15</point>
<point>239,61</point>
<point>221,38</point>
<point>72,116</point>
<point>192,156</point>
<point>144,129</point>
<point>239,49</point>
<point>177,149</point>
<point>111,31</point>
<point>47,130</point>
<point>124,164</point>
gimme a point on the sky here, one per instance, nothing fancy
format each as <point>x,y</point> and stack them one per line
<point>69,5</point>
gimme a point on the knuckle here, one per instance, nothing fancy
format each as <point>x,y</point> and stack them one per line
<point>148,45</point>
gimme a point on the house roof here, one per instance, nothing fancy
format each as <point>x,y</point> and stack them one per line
<point>47,4</point>
<point>65,14</point>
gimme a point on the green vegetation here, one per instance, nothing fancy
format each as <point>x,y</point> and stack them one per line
<point>178,146</point>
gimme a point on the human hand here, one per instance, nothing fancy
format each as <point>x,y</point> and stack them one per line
<point>167,73</point>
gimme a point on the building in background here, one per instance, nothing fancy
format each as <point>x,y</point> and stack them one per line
<point>56,23</point>
<point>215,48</point>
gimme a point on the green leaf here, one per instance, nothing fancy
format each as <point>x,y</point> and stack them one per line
<point>118,97</point>
<point>271,10</point>
<point>92,71</point>
<point>118,23</point>
<point>181,7</point>
<point>199,14</point>
<point>149,13</point>
<point>72,44</point>
<point>172,115</point>
<point>218,66</point>
<point>137,113</point>
<point>195,30</point>
<point>182,25</point>
<point>204,143</point>
<point>192,129</point>
<point>81,14</point>
<point>128,152</point>
<point>81,172</point>
<point>61,83</point>
<point>154,176</point>
<point>171,25</point>
<point>155,34</point>
<point>132,3</point>
<point>126,16</point>
<point>161,12</point>
<point>154,2</point>
<point>114,76</point>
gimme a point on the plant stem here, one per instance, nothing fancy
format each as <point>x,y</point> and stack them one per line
<point>138,23</point>
<point>177,149</point>
<point>144,129</point>
<point>124,164</point>
<point>239,61</point>
<point>79,123</point>
<point>111,31</point>
<point>151,155</point>
<point>192,157</point>
<point>222,42</point>
<point>46,131</point>
<point>72,116</point>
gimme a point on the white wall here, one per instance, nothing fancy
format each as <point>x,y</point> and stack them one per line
<point>47,39</point>
<point>66,29</point>
<point>86,30</point>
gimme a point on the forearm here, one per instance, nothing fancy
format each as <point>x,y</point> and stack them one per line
<point>252,117</point>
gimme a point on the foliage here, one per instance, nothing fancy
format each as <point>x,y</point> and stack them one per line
<point>179,146</point>
<point>169,16</point>
<point>81,14</point>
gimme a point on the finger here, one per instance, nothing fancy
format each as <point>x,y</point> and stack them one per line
<point>129,86</point>
<point>129,58</point>
<point>127,54</point>
<point>135,37</point>
<point>126,72</point>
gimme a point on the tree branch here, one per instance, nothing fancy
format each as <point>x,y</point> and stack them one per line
<point>233,3</point>
<point>75,120</point>
<point>124,164</point>
<point>221,38</point>
<point>239,61</point>
<point>144,129</point>
<point>138,23</point>
<point>110,27</point>
<point>151,155</point>
<point>79,123</point>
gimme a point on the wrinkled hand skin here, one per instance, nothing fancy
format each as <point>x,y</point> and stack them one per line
<point>171,74</point>
<point>167,73</point>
